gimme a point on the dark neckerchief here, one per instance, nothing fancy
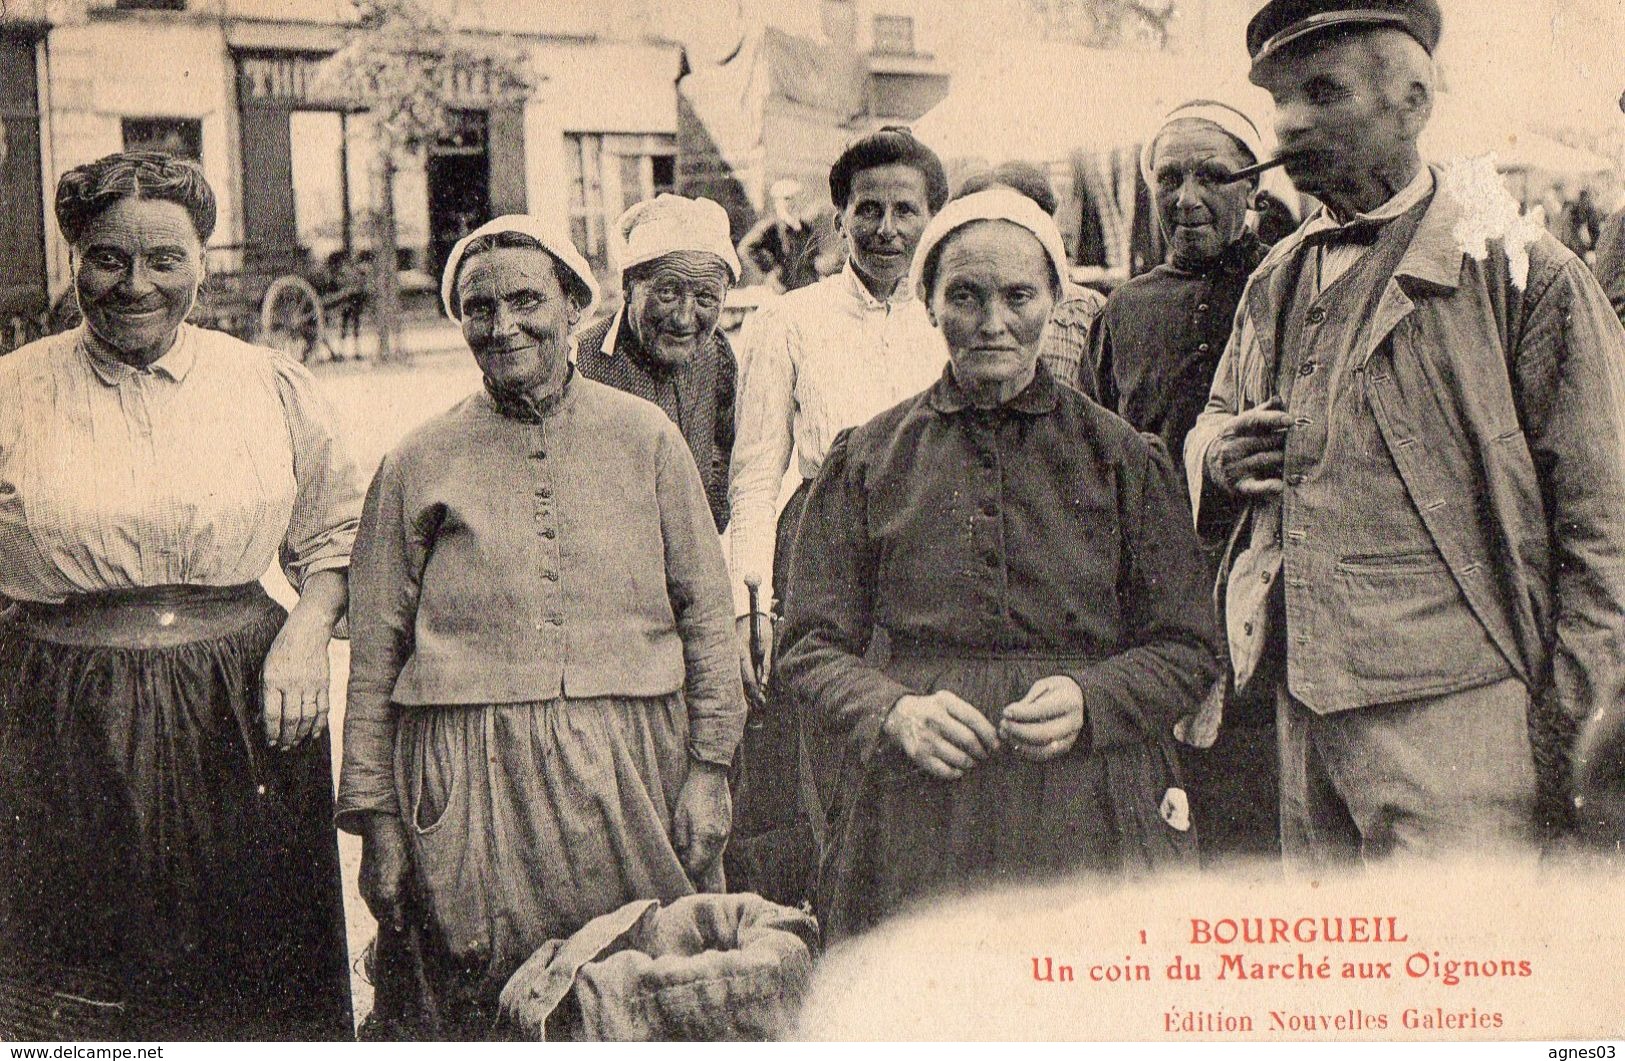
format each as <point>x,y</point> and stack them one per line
<point>518,405</point>
<point>1362,232</point>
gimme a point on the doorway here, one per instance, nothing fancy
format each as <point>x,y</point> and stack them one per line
<point>459,179</point>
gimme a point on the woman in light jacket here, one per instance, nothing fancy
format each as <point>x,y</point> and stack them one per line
<point>544,697</point>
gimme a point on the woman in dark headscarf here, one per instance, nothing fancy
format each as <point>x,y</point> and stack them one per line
<point>1032,561</point>
<point>171,870</point>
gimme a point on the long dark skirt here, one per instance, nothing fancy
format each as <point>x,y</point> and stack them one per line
<point>167,875</point>
<point>899,836</point>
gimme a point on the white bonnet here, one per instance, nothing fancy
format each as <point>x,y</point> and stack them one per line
<point>994,204</point>
<point>553,239</point>
<point>667,223</point>
<point>1231,120</point>
<point>1239,124</point>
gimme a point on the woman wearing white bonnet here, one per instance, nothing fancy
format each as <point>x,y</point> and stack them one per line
<point>1272,201</point>
<point>1033,564</point>
<point>677,263</point>
<point>544,694</point>
<point>1154,350</point>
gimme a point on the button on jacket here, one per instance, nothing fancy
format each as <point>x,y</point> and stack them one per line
<point>1501,401</point>
<point>501,561</point>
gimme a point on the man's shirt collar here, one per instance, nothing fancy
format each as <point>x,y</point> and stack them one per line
<point>1361,226</point>
<point>612,336</point>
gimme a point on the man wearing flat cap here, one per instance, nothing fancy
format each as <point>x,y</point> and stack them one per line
<point>1415,445</point>
<point>677,263</point>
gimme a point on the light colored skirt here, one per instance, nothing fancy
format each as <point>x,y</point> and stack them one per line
<point>529,820</point>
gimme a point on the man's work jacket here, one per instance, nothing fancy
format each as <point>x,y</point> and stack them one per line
<point>1503,406</point>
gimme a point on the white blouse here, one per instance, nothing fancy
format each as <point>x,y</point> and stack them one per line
<point>202,469</point>
<point>820,359</point>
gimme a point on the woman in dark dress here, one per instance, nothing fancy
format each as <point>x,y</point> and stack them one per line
<point>170,868</point>
<point>1032,561</point>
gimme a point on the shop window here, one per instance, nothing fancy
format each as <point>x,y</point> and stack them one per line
<point>894,35</point>
<point>608,173</point>
<point>181,137</point>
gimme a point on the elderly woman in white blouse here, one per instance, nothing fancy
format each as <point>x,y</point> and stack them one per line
<point>171,870</point>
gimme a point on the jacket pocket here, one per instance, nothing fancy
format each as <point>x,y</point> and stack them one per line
<point>1406,630</point>
<point>435,782</point>
<point>1393,563</point>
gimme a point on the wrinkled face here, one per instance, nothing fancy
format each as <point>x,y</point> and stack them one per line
<point>883,220</point>
<point>1201,215</point>
<point>675,303</point>
<point>516,317</point>
<point>992,296</point>
<point>139,266</point>
<point>1339,118</point>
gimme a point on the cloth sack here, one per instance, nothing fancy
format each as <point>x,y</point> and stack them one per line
<point>708,967</point>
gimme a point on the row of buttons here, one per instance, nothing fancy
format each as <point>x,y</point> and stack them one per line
<point>1201,308</point>
<point>990,510</point>
<point>545,493</point>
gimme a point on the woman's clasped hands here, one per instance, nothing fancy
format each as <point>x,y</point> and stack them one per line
<point>945,736</point>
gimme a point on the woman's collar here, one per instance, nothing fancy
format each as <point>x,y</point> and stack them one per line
<point>175,363</point>
<point>860,291</point>
<point>1037,398</point>
<point>1238,255</point>
<point>518,405</point>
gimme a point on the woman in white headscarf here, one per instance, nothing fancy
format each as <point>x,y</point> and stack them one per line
<point>544,696</point>
<point>1032,562</point>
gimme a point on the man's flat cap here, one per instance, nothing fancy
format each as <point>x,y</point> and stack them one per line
<point>1282,22</point>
